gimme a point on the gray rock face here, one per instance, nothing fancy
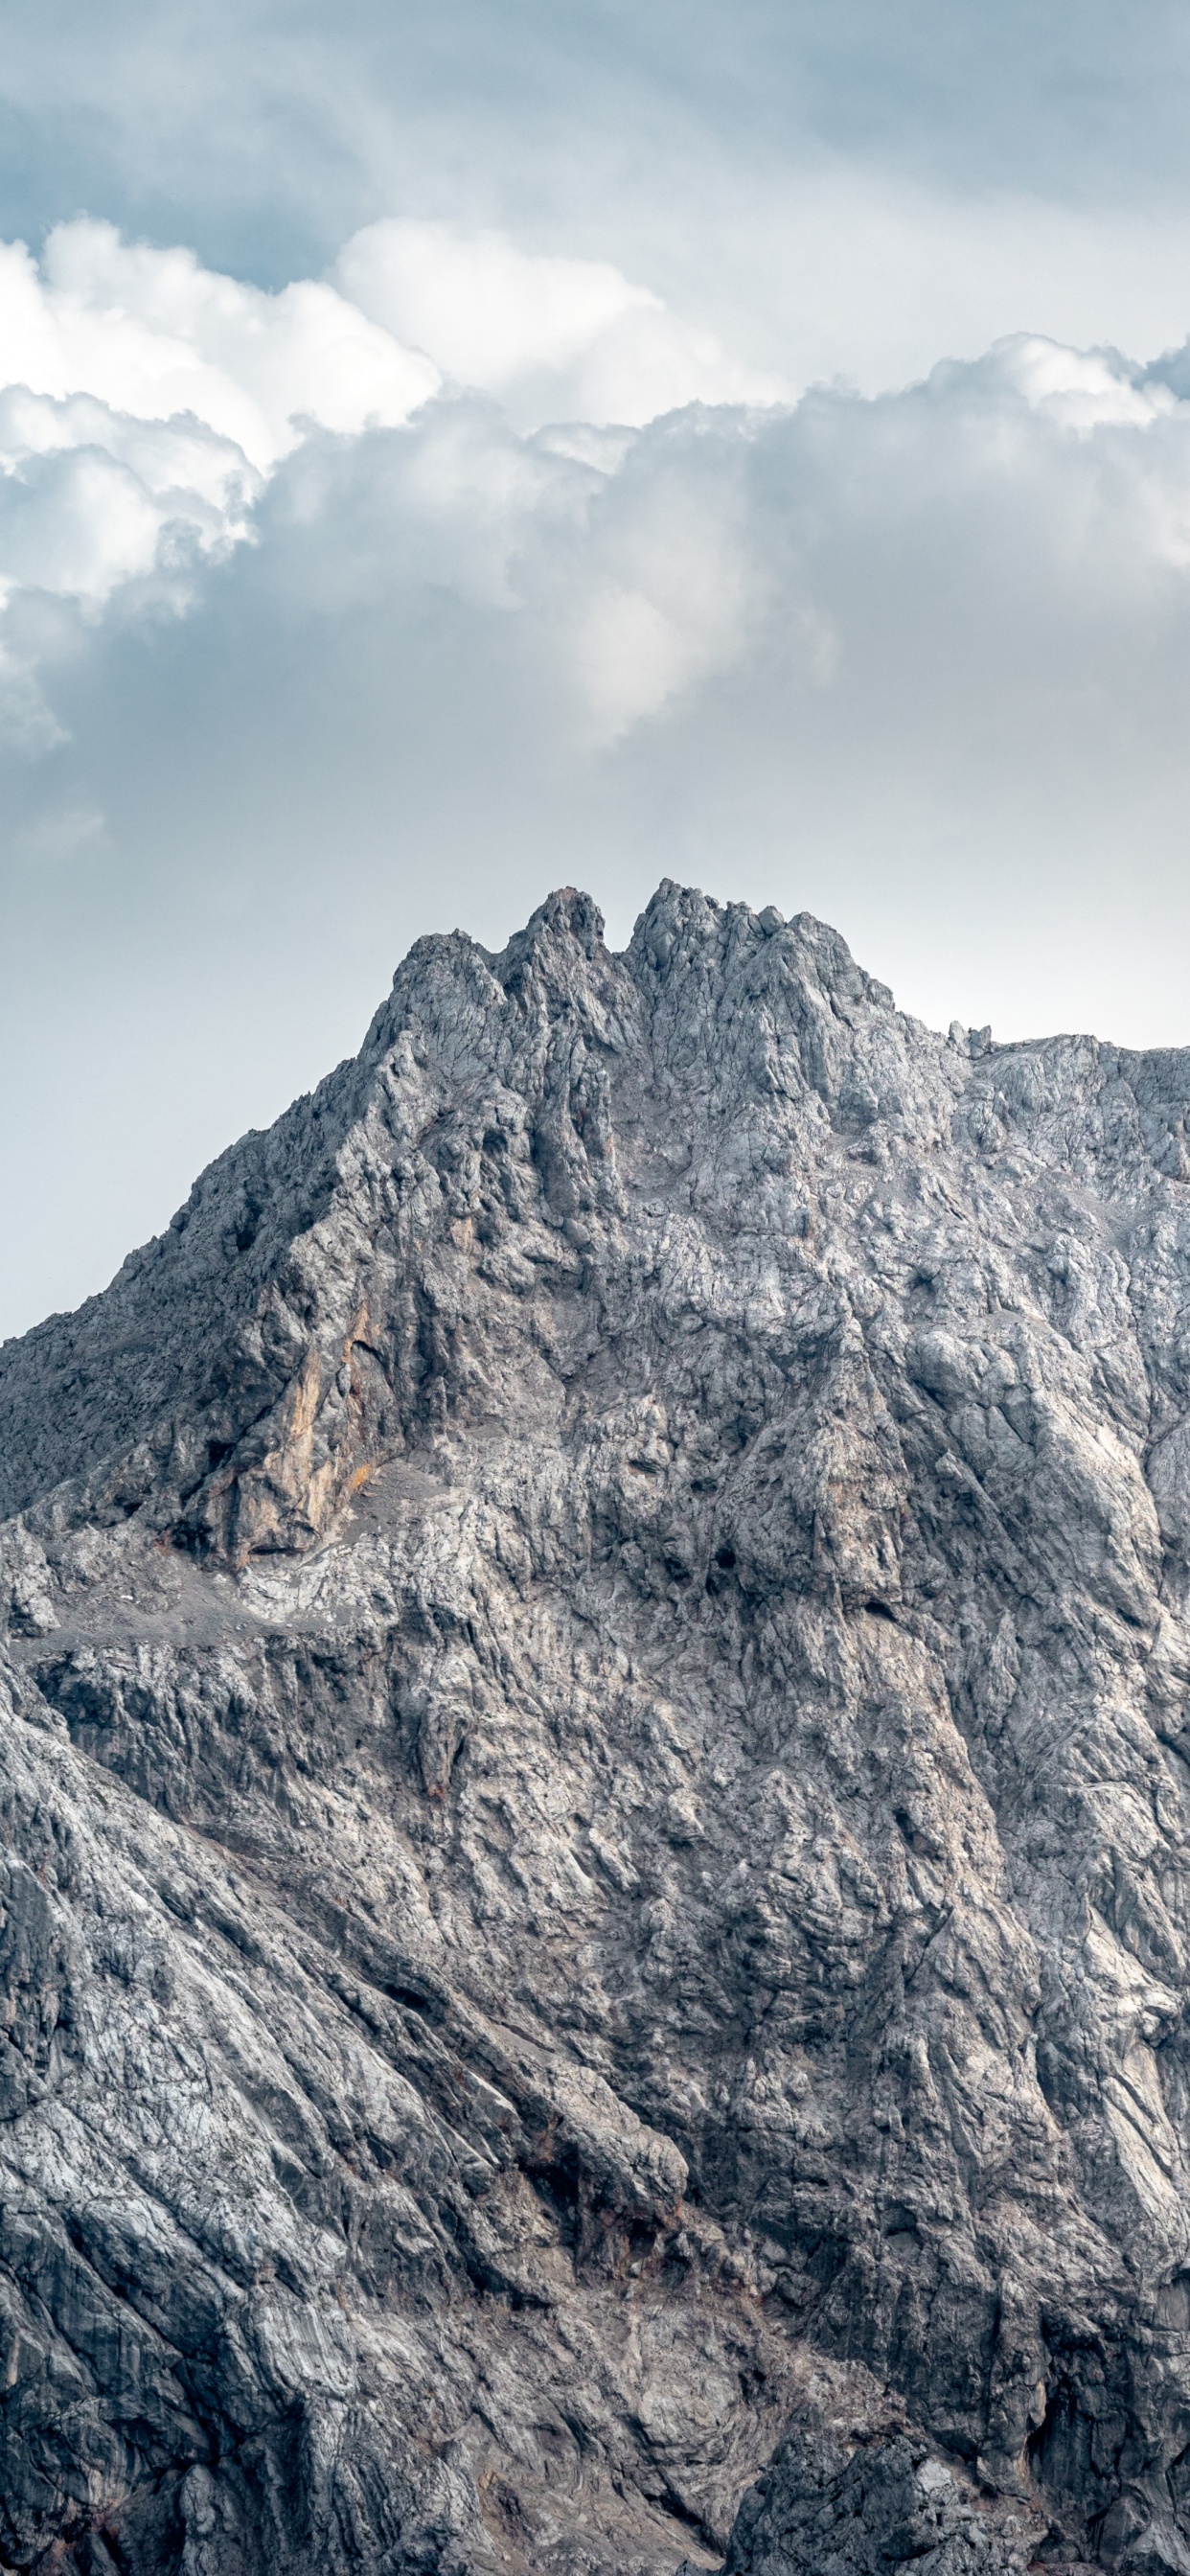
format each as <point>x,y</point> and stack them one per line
<point>832,2509</point>
<point>595,1771</point>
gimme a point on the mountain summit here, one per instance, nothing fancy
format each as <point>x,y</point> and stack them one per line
<point>595,1721</point>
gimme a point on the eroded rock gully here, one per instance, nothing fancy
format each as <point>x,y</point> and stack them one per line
<point>596,1802</point>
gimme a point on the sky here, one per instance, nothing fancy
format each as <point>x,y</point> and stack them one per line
<point>449,451</point>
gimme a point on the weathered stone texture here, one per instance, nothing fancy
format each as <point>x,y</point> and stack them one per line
<point>595,1773</point>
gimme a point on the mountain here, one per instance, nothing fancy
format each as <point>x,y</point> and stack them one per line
<point>595,1722</point>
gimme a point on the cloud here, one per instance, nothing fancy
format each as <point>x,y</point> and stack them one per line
<point>91,499</point>
<point>635,554</point>
<point>1021,506</point>
<point>153,333</point>
<point>147,401</point>
<point>150,400</point>
<point>555,339</point>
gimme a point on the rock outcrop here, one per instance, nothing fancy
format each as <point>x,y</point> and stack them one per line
<point>595,1773</point>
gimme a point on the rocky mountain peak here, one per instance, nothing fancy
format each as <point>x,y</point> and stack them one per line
<point>597,1800</point>
<point>217,1401</point>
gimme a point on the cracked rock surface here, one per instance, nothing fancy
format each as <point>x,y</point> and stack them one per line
<point>595,1781</point>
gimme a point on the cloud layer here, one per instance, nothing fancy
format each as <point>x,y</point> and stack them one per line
<point>541,438</point>
<point>150,400</point>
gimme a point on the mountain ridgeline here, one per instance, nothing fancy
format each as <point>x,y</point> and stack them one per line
<point>595,1879</point>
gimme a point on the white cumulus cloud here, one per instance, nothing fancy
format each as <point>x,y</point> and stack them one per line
<point>1029,507</point>
<point>555,339</point>
<point>153,333</point>
<point>390,435</point>
<point>147,402</point>
<point>88,494</point>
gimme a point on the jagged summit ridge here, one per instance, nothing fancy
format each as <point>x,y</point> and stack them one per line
<point>597,1799</point>
<point>770,1023</point>
<point>552,1004</point>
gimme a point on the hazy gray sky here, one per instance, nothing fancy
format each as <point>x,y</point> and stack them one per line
<point>452,450</point>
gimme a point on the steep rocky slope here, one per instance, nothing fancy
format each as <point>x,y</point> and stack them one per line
<point>596,1797</point>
